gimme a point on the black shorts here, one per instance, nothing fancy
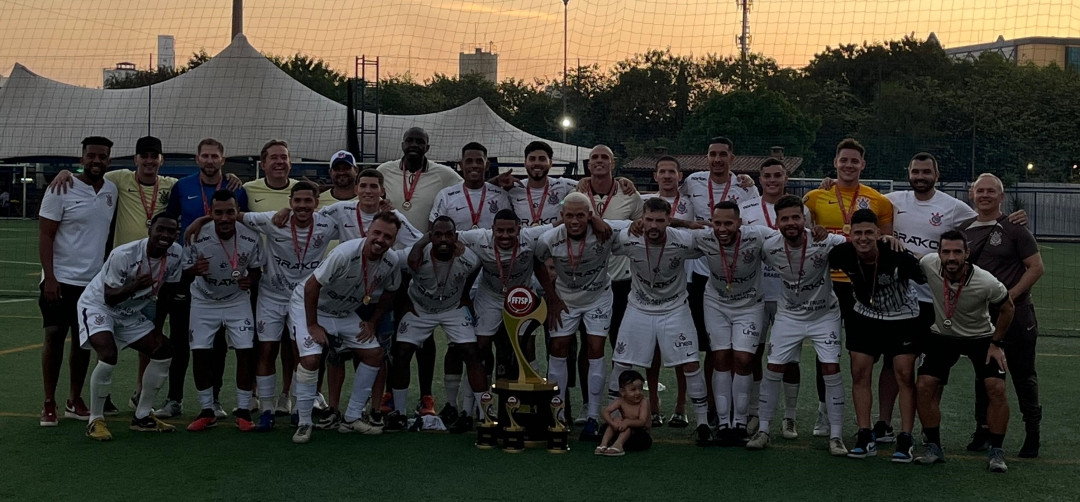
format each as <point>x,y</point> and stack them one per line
<point>926,318</point>
<point>639,439</point>
<point>876,337</point>
<point>942,352</point>
<point>696,289</point>
<point>846,298</point>
<point>62,312</point>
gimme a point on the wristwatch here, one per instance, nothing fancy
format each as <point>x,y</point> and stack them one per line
<point>998,343</point>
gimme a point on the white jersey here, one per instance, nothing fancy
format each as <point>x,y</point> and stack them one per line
<point>681,208</point>
<point>810,296</point>
<point>741,259</point>
<point>347,278</point>
<point>84,216</point>
<point>437,286</point>
<point>470,208</point>
<point>239,253</point>
<point>617,207</point>
<point>353,223</point>
<point>657,274</point>
<point>703,195</point>
<point>919,224</point>
<point>515,270</point>
<point>580,277</point>
<point>124,264</point>
<point>544,201</point>
<point>291,258</point>
<point>760,212</point>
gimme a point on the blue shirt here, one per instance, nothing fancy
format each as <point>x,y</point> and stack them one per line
<point>187,201</point>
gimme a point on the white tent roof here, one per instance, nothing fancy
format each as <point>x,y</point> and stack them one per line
<point>243,100</point>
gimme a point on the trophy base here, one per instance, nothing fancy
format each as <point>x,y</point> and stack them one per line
<point>558,440</point>
<point>514,385</point>
<point>534,412</point>
<point>514,439</point>
<point>487,437</point>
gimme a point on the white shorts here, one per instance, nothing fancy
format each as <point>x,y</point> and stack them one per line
<point>640,333</point>
<point>738,330</point>
<point>788,334</point>
<point>596,316</point>
<point>206,320</point>
<point>341,332</point>
<point>126,330</point>
<point>489,313</point>
<point>271,318</point>
<point>458,324</point>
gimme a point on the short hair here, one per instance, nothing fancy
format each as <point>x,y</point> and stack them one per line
<point>953,235</point>
<point>788,201</point>
<point>851,144</point>
<point>539,145</point>
<point>97,141</point>
<point>164,215</point>
<point>507,214</point>
<point>864,216</point>
<point>212,142</point>
<point>991,176</point>
<point>628,377</point>
<point>389,217</point>
<point>272,143</point>
<point>769,162</point>
<point>657,204</point>
<point>224,195</point>
<point>577,197</point>
<point>443,218</point>
<point>304,185</point>
<point>721,140</point>
<point>415,129</point>
<point>668,158</point>
<point>727,204</point>
<point>923,157</point>
<point>472,145</point>
<point>370,173</point>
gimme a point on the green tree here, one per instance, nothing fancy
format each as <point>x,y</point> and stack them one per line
<point>754,120</point>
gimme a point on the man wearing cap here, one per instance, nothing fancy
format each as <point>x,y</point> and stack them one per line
<point>343,176</point>
<point>73,232</point>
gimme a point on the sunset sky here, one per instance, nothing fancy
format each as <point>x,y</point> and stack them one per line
<point>72,40</point>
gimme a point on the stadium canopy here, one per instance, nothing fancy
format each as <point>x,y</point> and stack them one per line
<point>240,98</point>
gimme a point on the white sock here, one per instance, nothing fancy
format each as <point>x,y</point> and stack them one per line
<point>267,386</point>
<point>100,382</point>
<point>361,390</point>
<point>243,399</point>
<point>740,388</point>
<point>468,402</point>
<point>206,398</point>
<point>617,370</point>
<point>477,409</point>
<point>401,397</point>
<point>755,392</point>
<point>770,390</point>
<point>699,396</point>
<point>153,378</point>
<point>452,383</point>
<point>721,389</point>
<point>596,386</point>
<point>834,402</point>
<point>304,383</point>
<point>557,374</point>
<point>791,400</point>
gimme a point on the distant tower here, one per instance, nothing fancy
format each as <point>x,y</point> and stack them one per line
<point>120,71</point>
<point>486,64</point>
<point>237,18</point>
<point>166,51</point>
<point>743,39</point>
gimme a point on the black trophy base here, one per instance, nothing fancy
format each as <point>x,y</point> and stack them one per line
<point>487,436</point>
<point>514,440</point>
<point>558,441</point>
<point>534,413</point>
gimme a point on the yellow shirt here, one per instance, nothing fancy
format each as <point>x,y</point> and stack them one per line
<point>325,199</point>
<point>825,211</point>
<point>131,213</point>
<point>262,198</point>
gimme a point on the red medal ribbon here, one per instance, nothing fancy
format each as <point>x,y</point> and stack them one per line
<point>802,262</point>
<point>538,213</point>
<point>592,198</point>
<point>202,191</point>
<point>413,179</point>
<point>570,252</point>
<point>768,219</point>
<point>160,279</point>
<point>483,196</point>
<point>368,289</point>
<point>655,270</point>
<point>951,301</point>
<point>360,221</point>
<point>723,197</point>
<point>729,269</point>
<point>301,258</point>
<point>846,214</point>
<point>142,197</point>
<point>505,278</point>
<point>234,258</point>
<point>675,205</point>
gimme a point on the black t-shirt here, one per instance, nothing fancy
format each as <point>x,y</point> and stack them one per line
<point>884,290</point>
<point>1000,247</point>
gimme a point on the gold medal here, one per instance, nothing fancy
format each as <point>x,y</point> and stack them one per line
<point>947,323</point>
<point>147,223</point>
<point>536,224</point>
<point>474,227</point>
<point>847,229</point>
<point>729,289</point>
<point>367,299</point>
<point>235,274</point>
<point>407,205</point>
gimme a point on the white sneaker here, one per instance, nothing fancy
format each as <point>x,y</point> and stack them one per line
<point>360,426</point>
<point>759,441</point>
<point>821,427</point>
<point>320,402</point>
<point>837,448</point>
<point>283,405</point>
<point>302,434</point>
<point>753,423</point>
<point>787,429</point>
<point>219,412</point>
<point>170,409</point>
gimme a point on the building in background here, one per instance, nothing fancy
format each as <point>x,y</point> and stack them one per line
<point>166,51</point>
<point>481,62</point>
<point>1042,51</point>
<point>122,70</point>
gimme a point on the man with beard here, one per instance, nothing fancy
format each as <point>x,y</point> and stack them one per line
<point>341,307</point>
<point>963,296</point>
<point>343,175</point>
<point>537,203</point>
<point>411,185</point>
<point>112,307</point>
<point>443,272</point>
<point>73,229</point>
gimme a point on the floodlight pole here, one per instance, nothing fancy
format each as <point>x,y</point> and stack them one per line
<point>565,55</point>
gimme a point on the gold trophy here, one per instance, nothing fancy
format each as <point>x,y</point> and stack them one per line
<point>487,431</point>
<point>558,435</point>
<point>513,434</point>
<point>522,311</point>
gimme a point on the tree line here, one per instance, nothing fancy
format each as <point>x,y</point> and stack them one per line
<point>898,98</point>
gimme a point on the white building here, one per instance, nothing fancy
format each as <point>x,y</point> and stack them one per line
<point>166,51</point>
<point>480,62</point>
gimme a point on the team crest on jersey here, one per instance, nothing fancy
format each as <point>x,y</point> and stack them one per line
<point>242,260</point>
<point>493,206</point>
<point>863,203</point>
<point>247,322</point>
<point>935,219</point>
<point>819,260</point>
<point>260,327</point>
<point>317,241</point>
<point>674,263</point>
<point>995,238</point>
<point>309,342</point>
<point>403,327</point>
<point>553,199</point>
<point>748,256</point>
<point>681,207</point>
<point>598,248</point>
<point>99,320</point>
<point>620,348</point>
<point>108,199</point>
<point>163,197</point>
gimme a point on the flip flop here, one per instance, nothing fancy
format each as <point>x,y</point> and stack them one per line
<point>601,450</point>
<point>614,451</point>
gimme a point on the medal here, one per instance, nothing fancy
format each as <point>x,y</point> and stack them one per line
<point>538,213</point>
<point>727,186</point>
<point>873,282</point>
<point>729,289</point>
<point>406,181</point>
<point>160,279</point>
<point>149,209</point>
<point>802,263</point>
<point>660,258</point>
<point>570,256</point>
<point>202,191</point>
<point>367,299</point>
<point>536,224</point>
<point>505,278</point>
<point>301,256</point>
<point>947,323</point>
<point>474,227</point>
<point>729,268</point>
<point>235,274</point>
<point>406,205</point>
<point>846,214</point>
<point>368,289</point>
<point>504,290</point>
<point>147,223</point>
<point>234,259</point>
<point>601,207</point>
<point>847,229</point>
<point>951,301</point>
<point>475,215</point>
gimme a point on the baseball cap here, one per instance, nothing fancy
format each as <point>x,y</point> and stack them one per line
<point>148,144</point>
<point>343,156</point>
